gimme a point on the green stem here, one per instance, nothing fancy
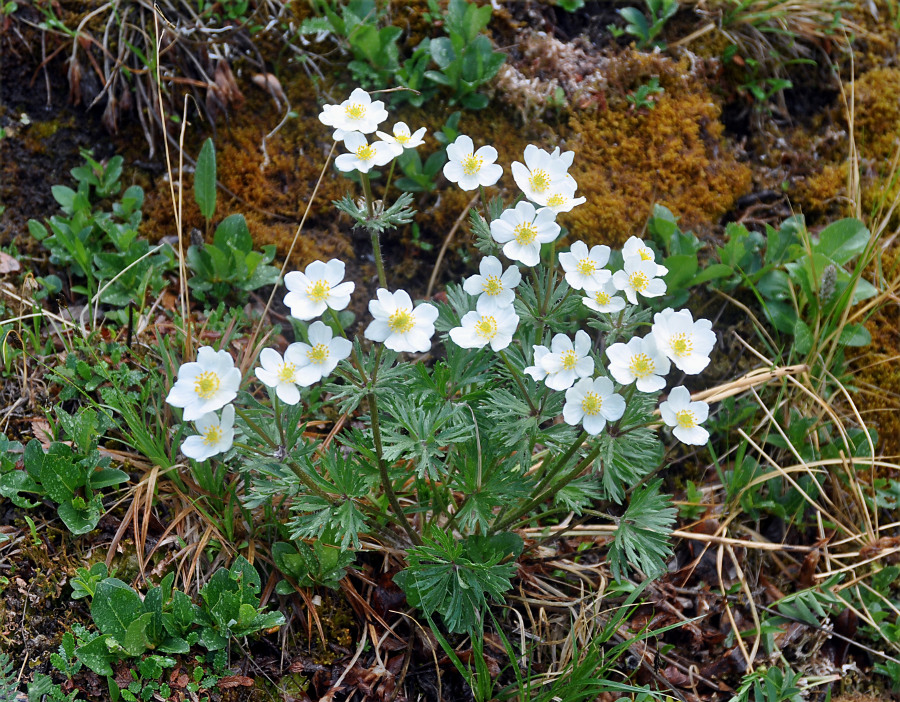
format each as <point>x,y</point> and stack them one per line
<point>517,377</point>
<point>549,492</point>
<point>383,471</point>
<point>559,462</point>
<point>484,204</point>
<point>255,427</point>
<point>387,186</point>
<point>376,243</point>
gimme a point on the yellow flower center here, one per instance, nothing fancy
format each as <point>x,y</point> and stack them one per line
<point>586,266</point>
<point>639,281</point>
<point>401,321</point>
<point>365,152</point>
<point>318,354</point>
<point>569,360</point>
<point>557,200</point>
<point>213,435</point>
<point>681,344</point>
<point>686,419</point>
<point>318,291</point>
<point>645,254</point>
<point>402,137</point>
<point>287,373</point>
<point>206,385</point>
<point>486,327</point>
<point>492,286</point>
<point>539,181</point>
<point>355,111</point>
<point>471,164</point>
<point>641,366</point>
<point>525,233</point>
<point>601,298</point>
<point>591,403</point>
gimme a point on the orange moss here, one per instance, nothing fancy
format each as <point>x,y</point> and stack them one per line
<point>821,194</point>
<point>672,155</point>
<point>877,368</point>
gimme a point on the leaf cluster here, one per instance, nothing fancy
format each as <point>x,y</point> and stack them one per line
<point>71,476</point>
<point>167,620</point>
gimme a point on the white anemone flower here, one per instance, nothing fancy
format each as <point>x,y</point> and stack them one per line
<point>639,360</point>
<point>639,277</point>
<point>494,327</point>
<point>537,370</point>
<point>355,114</point>
<point>584,269</point>
<point>604,299</point>
<point>205,385</point>
<point>316,289</point>
<point>400,326</point>
<point>402,138</point>
<point>543,175</point>
<point>564,200</point>
<point>593,403</point>
<point>685,416</point>
<point>685,342</point>
<point>567,361</point>
<point>469,168</point>
<point>636,247</point>
<point>364,156</point>
<point>280,373</point>
<point>320,356</point>
<point>492,284</point>
<point>522,231</point>
<point>216,436</point>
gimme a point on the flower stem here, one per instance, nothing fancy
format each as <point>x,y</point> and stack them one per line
<point>387,186</point>
<point>549,491</point>
<point>255,427</point>
<point>518,378</point>
<point>383,471</point>
<point>376,243</point>
<point>484,204</point>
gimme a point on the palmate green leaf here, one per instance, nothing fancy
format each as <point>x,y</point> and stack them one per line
<point>625,459</point>
<point>419,431</point>
<point>501,483</point>
<point>643,532</point>
<point>443,577</point>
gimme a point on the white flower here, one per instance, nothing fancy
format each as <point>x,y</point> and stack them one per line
<point>215,436</point>
<point>356,114</point>
<point>584,269</point>
<point>320,287</point>
<point>678,411</point>
<point>685,342</point>
<point>593,403</point>
<point>494,327</point>
<point>537,370</point>
<point>205,385</point>
<point>398,325</point>
<point>364,155</point>
<point>523,230</point>
<point>493,284</point>
<point>469,168</point>
<point>636,247</point>
<point>320,356</point>
<point>639,360</point>
<point>567,361</point>
<point>604,299</point>
<point>639,277</point>
<point>402,138</point>
<point>543,174</point>
<point>564,200</point>
<point>280,373</point>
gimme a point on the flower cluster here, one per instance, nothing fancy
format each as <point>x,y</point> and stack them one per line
<point>359,115</point>
<point>594,394</point>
